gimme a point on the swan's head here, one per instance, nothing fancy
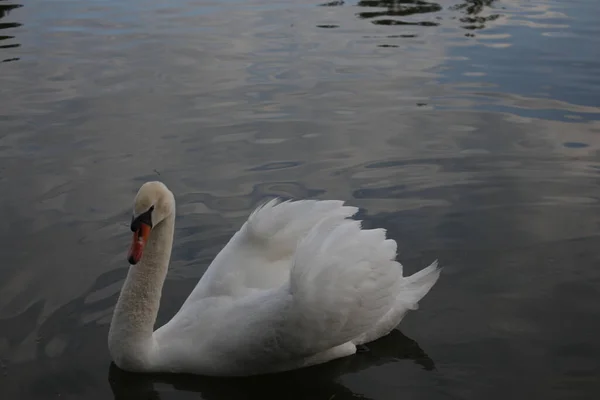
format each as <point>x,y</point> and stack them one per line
<point>153,203</point>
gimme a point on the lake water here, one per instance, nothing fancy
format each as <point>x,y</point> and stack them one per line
<point>470,130</point>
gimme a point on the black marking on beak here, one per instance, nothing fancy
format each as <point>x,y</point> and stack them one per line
<point>143,218</point>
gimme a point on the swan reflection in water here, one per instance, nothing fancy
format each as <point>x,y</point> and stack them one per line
<point>318,382</point>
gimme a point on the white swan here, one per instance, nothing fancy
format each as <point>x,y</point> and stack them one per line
<point>299,284</point>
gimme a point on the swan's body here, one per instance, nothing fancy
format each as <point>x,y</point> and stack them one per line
<point>299,284</point>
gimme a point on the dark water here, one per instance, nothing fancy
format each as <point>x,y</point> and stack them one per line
<point>469,129</point>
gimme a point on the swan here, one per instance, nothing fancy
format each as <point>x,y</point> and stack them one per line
<point>299,284</point>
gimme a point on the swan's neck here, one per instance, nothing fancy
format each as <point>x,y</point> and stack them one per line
<point>130,340</point>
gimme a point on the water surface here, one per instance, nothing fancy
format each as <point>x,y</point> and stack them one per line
<point>468,129</point>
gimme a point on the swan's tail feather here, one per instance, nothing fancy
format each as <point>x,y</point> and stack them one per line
<point>343,280</point>
<point>411,290</point>
<point>416,286</point>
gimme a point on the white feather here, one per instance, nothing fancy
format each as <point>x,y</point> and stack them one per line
<point>259,255</point>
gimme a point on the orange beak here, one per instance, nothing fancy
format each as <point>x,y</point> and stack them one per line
<point>140,237</point>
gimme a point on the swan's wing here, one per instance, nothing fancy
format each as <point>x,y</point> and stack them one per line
<point>343,281</point>
<point>259,255</point>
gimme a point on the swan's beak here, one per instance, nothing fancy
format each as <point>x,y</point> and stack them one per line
<point>140,237</point>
